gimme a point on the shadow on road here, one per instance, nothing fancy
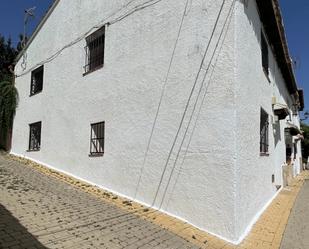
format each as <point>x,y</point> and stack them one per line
<point>15,235</point>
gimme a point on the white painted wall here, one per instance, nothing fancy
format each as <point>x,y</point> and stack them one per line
<point>125,94</point>
<point>223,182</point>
<point>253,91</point>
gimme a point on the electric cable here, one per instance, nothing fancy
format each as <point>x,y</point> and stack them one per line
<point>198,114</point>
<point>188,102</point>
<point>195,105</point>
<point>161,97</point>
<point>137,8</point>
<point>179,150</point>
<point>102,23</point>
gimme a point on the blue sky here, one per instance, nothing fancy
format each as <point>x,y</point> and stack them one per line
<point>12,16</point>
<point>296,21</point>
<point>295,14</point>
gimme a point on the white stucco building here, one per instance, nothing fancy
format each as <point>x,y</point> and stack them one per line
<point>187,106</point>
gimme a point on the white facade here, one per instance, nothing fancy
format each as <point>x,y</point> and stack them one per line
<point>179,138</point>
<point>254,90</point>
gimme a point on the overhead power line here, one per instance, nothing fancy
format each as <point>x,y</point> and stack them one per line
<point>188,101</point>
<point>161,97</point>
<point>201,105</point>
<point>103,22</point>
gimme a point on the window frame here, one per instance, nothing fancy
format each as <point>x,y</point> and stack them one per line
<point>31,147</point>
<point>94,137</point>
<point>32,84</point>
<point>264,133</point>
<point>95,51</point>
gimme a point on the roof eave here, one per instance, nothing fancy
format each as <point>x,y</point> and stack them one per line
<point>271,18</point>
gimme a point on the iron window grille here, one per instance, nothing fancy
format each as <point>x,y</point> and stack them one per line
<point>37,80</point>
<point>295,150</point>
<point>35,136</point>
<point>265,58</point>
<point>288,150</point>
<point>97,139</point>
<point>95,50</point>
<point>264,132</point>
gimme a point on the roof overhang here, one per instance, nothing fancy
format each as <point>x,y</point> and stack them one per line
<point>281,111</point>
<point>271,18</point>
<point>293,129</point>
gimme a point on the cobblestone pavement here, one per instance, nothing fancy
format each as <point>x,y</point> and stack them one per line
<point>296,235</point>
<point>38,211</point>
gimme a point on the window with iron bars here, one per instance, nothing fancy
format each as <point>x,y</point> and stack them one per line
<point>265,59</point>
<point>264,133</point>
<point>97,139</point>
<point>37,76</point>
<point>95,50</point>
<point>295,150</point>
<point>35,136</point>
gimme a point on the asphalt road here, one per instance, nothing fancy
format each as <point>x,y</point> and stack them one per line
<point>296,235</point>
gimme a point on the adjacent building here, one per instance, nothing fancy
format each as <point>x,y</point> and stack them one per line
<point>190,107</point>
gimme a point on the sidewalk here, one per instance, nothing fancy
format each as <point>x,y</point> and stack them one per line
<point>40,212</point>
<point>296,234</point>
<point>267,233</point>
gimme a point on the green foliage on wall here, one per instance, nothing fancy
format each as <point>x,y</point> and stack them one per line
<point>305,143</point>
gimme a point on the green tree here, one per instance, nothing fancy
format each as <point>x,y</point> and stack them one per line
<point>305,143</point>
<point>7,56</point>
<point>8,102</point>
<point>8,91</point>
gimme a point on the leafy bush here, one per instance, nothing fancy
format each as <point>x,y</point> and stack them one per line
<point>305,143</point>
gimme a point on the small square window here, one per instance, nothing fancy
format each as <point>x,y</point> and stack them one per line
<point>265,59</point>
<point>264,133</point>
<point>95,50</point>
<point>35,136</point>
<point>37,80</point>
<point>97,139</point>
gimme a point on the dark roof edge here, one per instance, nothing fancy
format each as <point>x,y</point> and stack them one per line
<point>271,18</point>
<point>284,43</point>
<point>301,99</point>
<point>37,29</point>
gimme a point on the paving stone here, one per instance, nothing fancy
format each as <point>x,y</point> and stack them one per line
<point>42,211</point>
<point>297,233</point>
<point>39,211</point>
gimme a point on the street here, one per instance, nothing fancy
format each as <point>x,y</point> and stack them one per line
<point>38,211</point>
<point>296,235</point>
